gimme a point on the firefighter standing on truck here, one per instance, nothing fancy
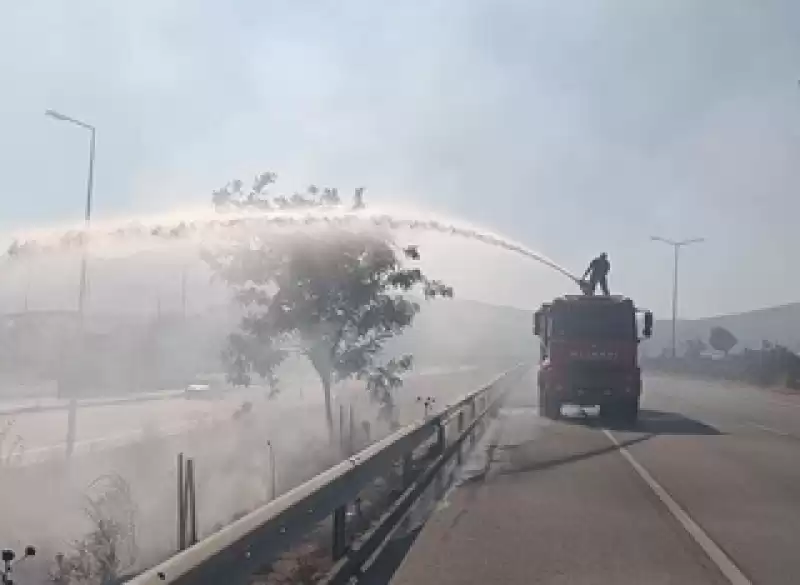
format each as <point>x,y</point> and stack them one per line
<point>598,274</point>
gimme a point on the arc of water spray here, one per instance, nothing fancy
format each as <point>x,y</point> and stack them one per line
<point>186,229</point>
<point>472,234</point>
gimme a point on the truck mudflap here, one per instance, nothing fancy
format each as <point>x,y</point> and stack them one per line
<point>593,396</point>
<point>617,405</point>
<point>590,390</point>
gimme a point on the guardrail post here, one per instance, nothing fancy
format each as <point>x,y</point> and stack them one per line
<point>187,503</point>
<point>406,470</point>
<point>473,416</point>
<point>460,453</point>
<point>191,502</point>
<point>181,505</point>
<point>339,532</point>
<point>342,444</point>
<point>441,438</point>
<point>351,432</point>
<point>72,416</point>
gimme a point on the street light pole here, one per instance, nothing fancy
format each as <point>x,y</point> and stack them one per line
<point>676,249</point>
<point>73,404</point>
<point>676,246</point>
<point>89,188</point>
<point>88,219</point>
<point>273,487</point>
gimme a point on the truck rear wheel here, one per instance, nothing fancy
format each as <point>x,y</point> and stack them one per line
<point>629,411</point>
<point>548,404</point>
<point>624,411</point>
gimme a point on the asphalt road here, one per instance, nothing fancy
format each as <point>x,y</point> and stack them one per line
<point>706,489</point>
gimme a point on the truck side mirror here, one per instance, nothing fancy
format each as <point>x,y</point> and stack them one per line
<point>648,324</point>
<point>537,318</point>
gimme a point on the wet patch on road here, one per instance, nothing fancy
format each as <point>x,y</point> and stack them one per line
<point>515,428</point>
<point>520,440</point>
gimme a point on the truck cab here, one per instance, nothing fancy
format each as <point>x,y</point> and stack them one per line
<point>589,355</point>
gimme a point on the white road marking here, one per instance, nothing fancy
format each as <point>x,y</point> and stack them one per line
<point>768,400</point>
<point>38,454</point>
<point>714,552</point>
<point>770,430</point>
<point>748,393</point>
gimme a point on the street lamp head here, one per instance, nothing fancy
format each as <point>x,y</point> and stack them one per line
<point>56,115</point>
<point>64,118</point>
<point>677,243</point>
<point>660,239</point>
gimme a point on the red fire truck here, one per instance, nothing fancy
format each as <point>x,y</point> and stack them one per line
<point>589,355</point>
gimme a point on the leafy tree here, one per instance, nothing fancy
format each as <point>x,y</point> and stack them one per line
<point>335,295</point>
<point>722,340</point>
<point>234,195</point>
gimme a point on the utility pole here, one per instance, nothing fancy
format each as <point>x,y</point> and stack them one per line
<point>27,284</point>
<point>183,292</point>
<point>676,246</point>
<point>358,199</point>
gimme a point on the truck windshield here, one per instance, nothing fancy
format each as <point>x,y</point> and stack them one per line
<point>616,323</point>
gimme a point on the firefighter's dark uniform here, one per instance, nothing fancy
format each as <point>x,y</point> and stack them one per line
<point>598,273</point>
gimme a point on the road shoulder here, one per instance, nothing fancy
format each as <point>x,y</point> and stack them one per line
<point>559,505</point>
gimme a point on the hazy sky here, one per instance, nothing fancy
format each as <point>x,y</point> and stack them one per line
<point>574,127</point>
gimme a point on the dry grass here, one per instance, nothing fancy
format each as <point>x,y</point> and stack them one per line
<point>109,549</point>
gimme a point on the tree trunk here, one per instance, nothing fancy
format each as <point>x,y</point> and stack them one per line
<point>319,356</point>
<point>326,388</point>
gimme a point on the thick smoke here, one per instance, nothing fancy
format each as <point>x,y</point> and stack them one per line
<point>146,341</point>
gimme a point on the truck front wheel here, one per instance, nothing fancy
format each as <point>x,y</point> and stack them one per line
<point>548,404</point>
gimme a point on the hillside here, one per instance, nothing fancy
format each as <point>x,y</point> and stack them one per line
<point>775,324</point>
<point>474,328</point>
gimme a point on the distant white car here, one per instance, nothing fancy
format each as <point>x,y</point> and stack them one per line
<point>198,391</point>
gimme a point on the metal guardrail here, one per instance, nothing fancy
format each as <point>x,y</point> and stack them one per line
<point>365,551</point>
<point>233,554</point>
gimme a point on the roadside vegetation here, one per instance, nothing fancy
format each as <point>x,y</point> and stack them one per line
<point>770,365</point>
<point>332,294</point>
